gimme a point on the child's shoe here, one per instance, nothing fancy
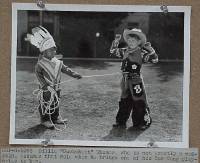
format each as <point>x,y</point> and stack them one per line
<point>48,124</point>
<point>60,121</point>
<point>143,127</point>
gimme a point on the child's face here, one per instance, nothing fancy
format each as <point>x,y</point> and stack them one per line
<point>50,53</point>
<point>133,42</point>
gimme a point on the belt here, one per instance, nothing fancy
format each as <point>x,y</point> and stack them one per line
<point>131,75</point>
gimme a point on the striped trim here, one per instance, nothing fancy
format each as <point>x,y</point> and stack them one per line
<point>58,69</point>
<point>48,81</point>
<point>49,72</point>
<point>58,72</point>
<point>53,69</point>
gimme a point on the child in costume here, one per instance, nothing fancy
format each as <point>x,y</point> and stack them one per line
<point>48,71</point>
<point>133,97</point>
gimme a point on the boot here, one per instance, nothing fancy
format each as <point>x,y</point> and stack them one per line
<point>48,124</point>
<point>125,107</point>
<point>138,113</point>
<point>56,118</point>
<point>140,116</point>
<point>147,120</point>
<point>59,120</point>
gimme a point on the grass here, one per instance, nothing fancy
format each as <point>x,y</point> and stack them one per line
<point>91,104</point>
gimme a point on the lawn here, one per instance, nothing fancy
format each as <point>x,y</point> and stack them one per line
<point>90,104</point>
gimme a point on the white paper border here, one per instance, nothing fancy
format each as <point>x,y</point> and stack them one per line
<point>104,8</point>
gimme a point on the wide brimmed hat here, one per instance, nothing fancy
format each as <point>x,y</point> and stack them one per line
<point>41,38</point>
<point>137,32</point>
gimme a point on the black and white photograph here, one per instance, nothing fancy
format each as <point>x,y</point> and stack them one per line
<point>100,75</point>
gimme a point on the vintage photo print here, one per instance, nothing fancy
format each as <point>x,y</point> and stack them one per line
<point>100,75</point>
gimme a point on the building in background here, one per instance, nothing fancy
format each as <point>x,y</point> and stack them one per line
<point>89,34</point>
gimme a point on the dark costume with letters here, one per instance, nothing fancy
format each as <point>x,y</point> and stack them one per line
<point>133,95</point>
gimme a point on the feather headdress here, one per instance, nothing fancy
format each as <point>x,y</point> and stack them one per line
<point>41,38</point>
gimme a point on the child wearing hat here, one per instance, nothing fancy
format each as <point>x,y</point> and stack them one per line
<point>48,71</point>
<point>133,98</point>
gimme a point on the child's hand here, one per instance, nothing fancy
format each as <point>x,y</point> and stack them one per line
<point>148,47</point>
<point>147,44</point>
<point>117,37</point>
<point>116,41</point>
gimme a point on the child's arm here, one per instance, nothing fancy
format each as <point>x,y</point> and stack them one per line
<point>119,52</point>
<point>149,54</point>
<point>65,69</point>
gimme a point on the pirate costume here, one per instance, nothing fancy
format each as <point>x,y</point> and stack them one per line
<point>48,72</point>
<point>133,96</point>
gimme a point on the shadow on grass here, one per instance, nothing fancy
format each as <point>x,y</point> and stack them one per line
<point>31,133</point>
<point>121,134</point>
<point>166,71</point>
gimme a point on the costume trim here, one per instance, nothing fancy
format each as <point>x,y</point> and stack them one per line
<point>53,69</point>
